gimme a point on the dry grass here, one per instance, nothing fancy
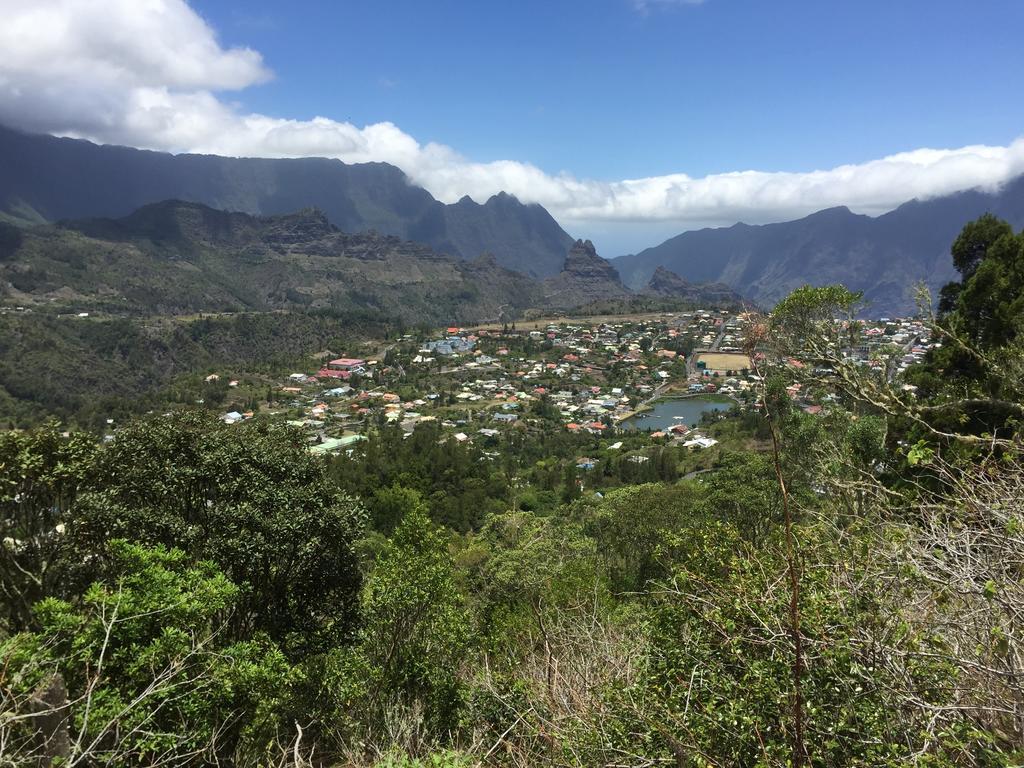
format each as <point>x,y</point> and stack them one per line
<point>724,361</point>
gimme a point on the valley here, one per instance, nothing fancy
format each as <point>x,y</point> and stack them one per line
<point>635,384</point>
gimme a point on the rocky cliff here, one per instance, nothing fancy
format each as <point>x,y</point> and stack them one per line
<point>666,283</point>
<point>585,278</point>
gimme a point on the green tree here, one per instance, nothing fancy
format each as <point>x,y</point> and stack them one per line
<point>720,694</point>
<point>247,497</point>
<point>973,378</point>
<point>150,674</point>
<point>743,491</point>
<point>41,472</point>
<point>631,528</point>
<point>416,629</point>
<point>570,482</point>
<point>991,298</point>
<point>972,244</point>
<point>389,506</point>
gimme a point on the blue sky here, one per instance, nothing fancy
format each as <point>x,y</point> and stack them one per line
<point>605,91</point>
<point>629,120</point>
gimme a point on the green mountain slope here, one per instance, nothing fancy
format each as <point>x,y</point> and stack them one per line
<point>181,258</point>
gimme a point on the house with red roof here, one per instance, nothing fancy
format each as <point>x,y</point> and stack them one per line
<point>342,368</point>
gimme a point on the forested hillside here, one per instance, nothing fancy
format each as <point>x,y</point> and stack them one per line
<point>178,258</point>
<point>843,586</point>
<point>84,370</point>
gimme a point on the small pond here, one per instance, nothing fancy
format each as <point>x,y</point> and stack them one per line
<point>677,410</point>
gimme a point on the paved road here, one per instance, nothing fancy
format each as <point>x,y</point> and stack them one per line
<point>721,334</point>
<point>691,475</point>
<point>691,363</point>
<point>891,373</point>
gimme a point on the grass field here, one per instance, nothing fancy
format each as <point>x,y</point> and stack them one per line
<point>724,361</point>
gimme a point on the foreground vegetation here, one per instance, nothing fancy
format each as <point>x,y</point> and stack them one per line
<point>192,593</point>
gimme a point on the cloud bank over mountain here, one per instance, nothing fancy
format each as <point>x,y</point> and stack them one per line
<point>154,75</point>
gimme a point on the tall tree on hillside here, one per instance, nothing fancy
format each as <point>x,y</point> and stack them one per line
<point>977,370</point>
<point>41,473</point>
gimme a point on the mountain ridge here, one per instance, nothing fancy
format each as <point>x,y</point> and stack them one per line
<point>62,178</point>
<point>884,256</point>
<point>179,257</point>
<point>664,282</point>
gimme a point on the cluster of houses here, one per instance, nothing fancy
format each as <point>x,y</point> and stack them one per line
<point>889,346</point>
<point>592,376</point>
<point>910,336</point>
<point>343,368</point>
<point>452,344</point>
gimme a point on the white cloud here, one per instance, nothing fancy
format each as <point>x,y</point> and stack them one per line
<point>148,73</point>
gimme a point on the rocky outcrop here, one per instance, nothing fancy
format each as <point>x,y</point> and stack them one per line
<point>583,263</point>
<point>666,283</point>
<point>585,278</point>
<point>298,228</point>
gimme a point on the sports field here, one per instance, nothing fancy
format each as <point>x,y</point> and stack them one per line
<point>724,361</point>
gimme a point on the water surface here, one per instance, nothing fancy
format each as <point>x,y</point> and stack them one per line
<point>679,410</point>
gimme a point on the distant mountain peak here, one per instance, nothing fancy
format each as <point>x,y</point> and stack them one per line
<point>582,259</point>
<point>836,211</point>
<point>665,277</point>
<point>665,282</point>
<point>503,198</point>
<point>168,222</point>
